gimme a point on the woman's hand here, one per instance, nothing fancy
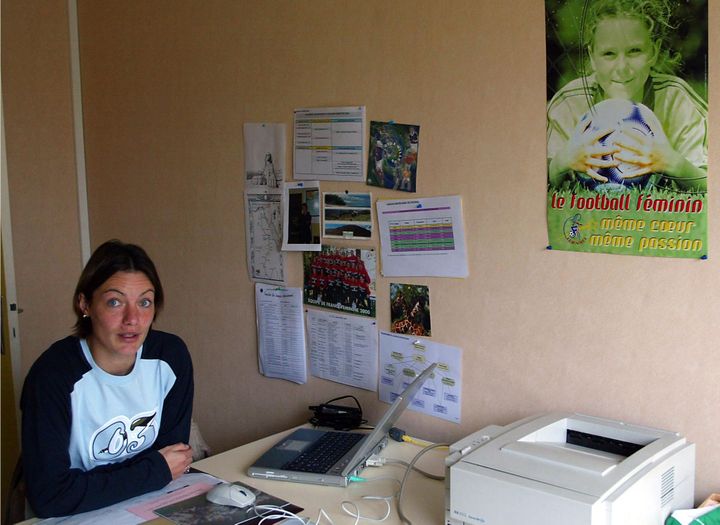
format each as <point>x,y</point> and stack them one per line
<point>646,154</point>
<point>654,154</point>
<point>583,153</point>
<point>178,458</point>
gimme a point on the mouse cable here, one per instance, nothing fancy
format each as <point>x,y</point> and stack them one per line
<point>401,514</point>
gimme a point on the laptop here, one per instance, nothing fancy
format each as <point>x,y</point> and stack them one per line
<point>326,457</point>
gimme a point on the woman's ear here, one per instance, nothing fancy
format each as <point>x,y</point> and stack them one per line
<point>83,304</point>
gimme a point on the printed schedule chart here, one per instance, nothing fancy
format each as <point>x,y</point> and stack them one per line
<point>329,144</point>
<point>422,235</point>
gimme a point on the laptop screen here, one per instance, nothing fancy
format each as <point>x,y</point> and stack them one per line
<point>391,415</point>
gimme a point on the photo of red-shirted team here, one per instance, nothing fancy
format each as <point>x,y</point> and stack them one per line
<point>340,278</point>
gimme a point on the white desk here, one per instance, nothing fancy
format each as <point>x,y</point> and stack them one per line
<point>423,500</point>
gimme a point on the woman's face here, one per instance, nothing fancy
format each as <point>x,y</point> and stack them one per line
<point>622,55</point>
<point>122,310</point>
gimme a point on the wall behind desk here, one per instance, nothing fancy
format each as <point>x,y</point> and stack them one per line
<point>167,87</point>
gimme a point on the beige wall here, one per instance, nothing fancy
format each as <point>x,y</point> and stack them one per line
<point>37,103</point>
<point>167,87</point>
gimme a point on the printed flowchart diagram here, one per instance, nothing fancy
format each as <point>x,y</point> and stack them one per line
<point>403,358</point>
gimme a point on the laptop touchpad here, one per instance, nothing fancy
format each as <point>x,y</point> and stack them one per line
<point>294,445</point>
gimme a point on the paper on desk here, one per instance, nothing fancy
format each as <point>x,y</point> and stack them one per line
<point>197,510</point>
<point>147,510</point>
<point>281,332</point>
<point>343,348</point>
<point>135,510</point>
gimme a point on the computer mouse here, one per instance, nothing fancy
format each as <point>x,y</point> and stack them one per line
<point>231,494</point>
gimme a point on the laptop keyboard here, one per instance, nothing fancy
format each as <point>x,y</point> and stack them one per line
<point>324,453</point>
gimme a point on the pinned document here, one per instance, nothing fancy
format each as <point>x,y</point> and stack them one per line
<point>281,332</point>
<point>422,237</point>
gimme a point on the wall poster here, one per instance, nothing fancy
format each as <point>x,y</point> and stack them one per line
<point>393,156</point>
<point>627,126</point>
<point>341,279</point>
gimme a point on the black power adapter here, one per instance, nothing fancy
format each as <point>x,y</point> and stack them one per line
<point>338,417</point>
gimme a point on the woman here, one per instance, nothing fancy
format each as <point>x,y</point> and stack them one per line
<point>630,59</point>
<point>106,411</point>
<point>306,236</point>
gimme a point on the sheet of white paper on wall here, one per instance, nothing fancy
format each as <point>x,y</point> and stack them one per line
<point>403,358</point>
<point>422,237</point>
<point>264,154</point>
<point>329,144</point>
<point>263,235</point>
<point>281,332</point>
<point>343,348</point>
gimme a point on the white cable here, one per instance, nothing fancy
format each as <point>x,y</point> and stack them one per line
<point>284,513</point>
<point>405,464</point>
<point>322,513</point>
<point>403,518</point>
<point>273,513</point>
<point>378,461</point>
<point>359,516</point>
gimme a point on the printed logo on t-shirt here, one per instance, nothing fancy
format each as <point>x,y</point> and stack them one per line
<point>121,436</point>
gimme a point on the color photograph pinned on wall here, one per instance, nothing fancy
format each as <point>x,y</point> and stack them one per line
<point>264,154</point>
<point>393,156</point>
<point>341,279</point>
<point>347,215</point>
<point>301,216</point>
<point>410,309</point>
<point>627,127</point>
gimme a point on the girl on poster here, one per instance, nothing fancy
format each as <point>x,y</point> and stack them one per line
<point>627,43</point>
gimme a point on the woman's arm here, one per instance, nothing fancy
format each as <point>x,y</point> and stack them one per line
<point>178,403</point>
<point>56,489</point>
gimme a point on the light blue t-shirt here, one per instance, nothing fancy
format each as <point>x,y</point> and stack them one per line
<point>116,417</point>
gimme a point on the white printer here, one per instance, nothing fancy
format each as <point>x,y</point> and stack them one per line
<point>568,469</point>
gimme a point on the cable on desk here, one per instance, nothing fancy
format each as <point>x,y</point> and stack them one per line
<point>410,468</point>
<point>273,512</point>
<point>355,510</point>
<point>378,461</point>
<point>356,514</point>
<point>399,434</point>
<point>416,469</point>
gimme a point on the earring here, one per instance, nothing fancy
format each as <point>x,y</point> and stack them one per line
<point>85,316</point>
